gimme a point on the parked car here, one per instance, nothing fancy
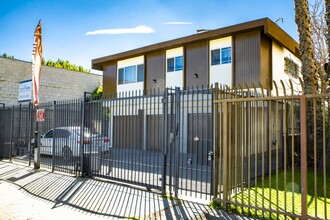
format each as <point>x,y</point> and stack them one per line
<point>67,142</point>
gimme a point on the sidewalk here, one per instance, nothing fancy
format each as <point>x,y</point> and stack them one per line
<point>26,194</point>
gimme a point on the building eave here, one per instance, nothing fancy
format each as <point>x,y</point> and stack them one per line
<point>265,24</point>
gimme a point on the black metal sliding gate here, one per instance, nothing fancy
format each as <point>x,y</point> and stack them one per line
<point>133,125</point>
<point>188,143</point>
<point>159,140</point>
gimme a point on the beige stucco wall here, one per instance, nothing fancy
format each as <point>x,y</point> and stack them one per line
<point>55,83</point>
<point>279,53</point>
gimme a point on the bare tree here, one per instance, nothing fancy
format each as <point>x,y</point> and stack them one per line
<point>326,34</point>
<point>318,27</point>
<point>319,37</point>
<point>327,19</point>
<point>327,74</point>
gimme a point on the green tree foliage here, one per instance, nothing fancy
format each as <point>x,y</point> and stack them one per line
<point>98,92</point>
<point>4,55</point>
<point>64,64</point>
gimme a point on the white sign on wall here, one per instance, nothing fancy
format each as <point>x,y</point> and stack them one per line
<point>25,91</point>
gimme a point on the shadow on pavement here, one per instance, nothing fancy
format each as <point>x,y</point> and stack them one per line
<point>105,198</point>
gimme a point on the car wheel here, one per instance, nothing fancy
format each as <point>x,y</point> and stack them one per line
<point>66,153</point>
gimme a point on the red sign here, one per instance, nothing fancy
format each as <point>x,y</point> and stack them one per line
<point>40,115</point>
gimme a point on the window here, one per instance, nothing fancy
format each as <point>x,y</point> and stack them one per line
<point>290,67</point>
<point>170,65</point>
<point>175,64</point>
<point>131,74</point>
<point>221,56</point>
<point>140,73</point>
<point>215,57</point>
<point>225,55</point>
<point>178,63</point>
<point>49,134</point>
<point>62,133</point>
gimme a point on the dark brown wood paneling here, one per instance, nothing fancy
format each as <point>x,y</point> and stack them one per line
<point>155,71</point>
<point>110,79</point>
<point>266,60</point>
<point>247,58</point>
<point>154,132</point>
<point>199,126</point>
<point>128,131</point>
<point>197,62</point>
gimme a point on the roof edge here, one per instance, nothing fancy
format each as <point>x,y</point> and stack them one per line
<point>279,35</point>
<point>269,27</point>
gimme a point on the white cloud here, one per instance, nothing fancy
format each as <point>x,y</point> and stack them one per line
<point>178,22</point>
<point>141,29</point>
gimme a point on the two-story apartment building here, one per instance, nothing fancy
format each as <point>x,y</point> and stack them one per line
<point>251,52</point>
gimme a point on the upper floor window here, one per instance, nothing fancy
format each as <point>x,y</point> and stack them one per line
<point>131,74</point>
<point>290,67</point>
<point>175,64</point>
<point>221,56</point>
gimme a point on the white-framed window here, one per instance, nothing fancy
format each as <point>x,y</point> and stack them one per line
<point>131,74</point>
<point>291,68</point>
<point>175,64</point>
<point>221,56</point>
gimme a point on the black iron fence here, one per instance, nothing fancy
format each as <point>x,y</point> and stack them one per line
<point>159,140</point>
<point>254,150</point>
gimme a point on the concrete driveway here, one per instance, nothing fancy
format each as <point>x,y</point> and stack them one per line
<point>26,194</point>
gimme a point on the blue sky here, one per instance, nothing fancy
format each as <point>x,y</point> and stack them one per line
<point>82,30</point>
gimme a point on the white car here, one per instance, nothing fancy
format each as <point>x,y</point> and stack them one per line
<point>67,142</point>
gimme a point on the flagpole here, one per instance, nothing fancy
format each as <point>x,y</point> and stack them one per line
<point>36,144</point>
<point>36,71</point>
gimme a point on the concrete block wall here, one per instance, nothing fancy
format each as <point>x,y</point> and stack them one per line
<point>55,83</point>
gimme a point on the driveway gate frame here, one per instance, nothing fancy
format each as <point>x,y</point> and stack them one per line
<point>160,140</point>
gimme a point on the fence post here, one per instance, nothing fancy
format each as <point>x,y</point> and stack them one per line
<point>172,131</point>
<point>82,135</point>
<point>165,147</point>
<point>177,139</point>
<point>54,126</point>
<point>11,133</point>
<point>19,129</point>
<point>303,140</point>
<point>225,154</point>
<point>2,130</point>
<point>30,131</point>
<point>215,142</point>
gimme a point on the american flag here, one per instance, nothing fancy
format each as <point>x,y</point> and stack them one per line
<point>36,63</point>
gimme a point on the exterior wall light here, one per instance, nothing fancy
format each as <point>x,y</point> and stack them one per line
<point>154,80</point>
<point>195,75</point>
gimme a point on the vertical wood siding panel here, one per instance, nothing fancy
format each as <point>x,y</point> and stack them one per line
<point>197,63</point>
<point>155,69</point>
<point>247,58</point>
<point>110,79</point>
<point>266,60</point>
